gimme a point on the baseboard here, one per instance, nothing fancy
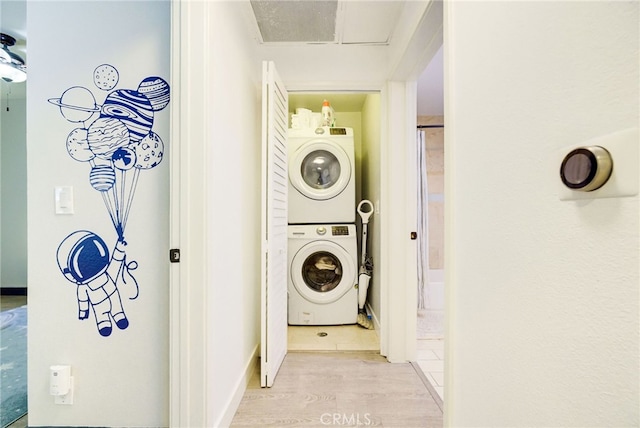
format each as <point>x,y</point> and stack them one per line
<point>233,404</point>
<point>13,291</point>
<point>374,317</point>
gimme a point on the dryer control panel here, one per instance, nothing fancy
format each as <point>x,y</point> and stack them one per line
<point>339,230</point>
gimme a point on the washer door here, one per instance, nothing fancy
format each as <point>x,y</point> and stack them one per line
<point>322,271</point>
<point>320,170</point>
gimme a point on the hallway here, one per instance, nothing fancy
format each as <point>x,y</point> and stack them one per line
<point>339,389</point>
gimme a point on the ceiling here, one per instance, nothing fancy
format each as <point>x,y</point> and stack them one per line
<point>335,22</point>
<point>13,21</point>
<point>293,23</point>
<point>431,87</point>
<point>325,21</point>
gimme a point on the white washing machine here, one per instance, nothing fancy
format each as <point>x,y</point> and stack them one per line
<point>322,187</point>
<point>322,274</point>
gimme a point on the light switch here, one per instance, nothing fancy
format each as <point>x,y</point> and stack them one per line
<point>64,199</point>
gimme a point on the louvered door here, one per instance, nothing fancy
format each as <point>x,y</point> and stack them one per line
<point>274,224</point>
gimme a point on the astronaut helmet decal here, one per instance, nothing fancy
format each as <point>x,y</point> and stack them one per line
<point>83,256</point>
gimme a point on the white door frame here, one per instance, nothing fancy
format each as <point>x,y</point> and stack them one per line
<point>399,187</point>
<point>189,81</point>
<point>188,226</point>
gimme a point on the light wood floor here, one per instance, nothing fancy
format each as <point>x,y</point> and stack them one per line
<point>319,389</point>
<point>11,302</point>
<point>330,389</point>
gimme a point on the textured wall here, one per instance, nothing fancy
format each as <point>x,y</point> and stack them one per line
<point>543,300</point>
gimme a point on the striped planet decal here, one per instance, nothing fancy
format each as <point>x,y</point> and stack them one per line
<point>133,109</point>
<point>157,91</point>
<point>102,177</point>
<point>106,135</point>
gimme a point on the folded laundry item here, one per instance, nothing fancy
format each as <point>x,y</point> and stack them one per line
<point>325,263</point>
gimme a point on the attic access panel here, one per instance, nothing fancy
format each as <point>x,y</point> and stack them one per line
<point>296,21</point>
<point>370,22</point>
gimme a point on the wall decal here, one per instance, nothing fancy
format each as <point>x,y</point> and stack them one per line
<point>117,141</point>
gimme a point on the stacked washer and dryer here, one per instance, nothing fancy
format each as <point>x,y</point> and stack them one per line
<point>322,241</point>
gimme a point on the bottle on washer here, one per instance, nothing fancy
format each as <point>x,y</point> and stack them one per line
<point>327,114</point>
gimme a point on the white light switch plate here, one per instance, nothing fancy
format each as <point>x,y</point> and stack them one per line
<point>64,199</point>
<point>624,180</point>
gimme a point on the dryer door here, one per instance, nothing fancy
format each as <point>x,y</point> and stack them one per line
<point>320,170</point>
<point>323,271</point>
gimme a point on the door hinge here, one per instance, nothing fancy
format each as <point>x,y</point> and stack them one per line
<point>174,255</point>
<point>414,236</point>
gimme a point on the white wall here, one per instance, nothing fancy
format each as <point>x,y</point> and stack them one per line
<point>543,294</point>
<point>371,117</point>
<point>216,303</point>
<point>13,179</point>
<point>233,202</point>
<point>122,379</point>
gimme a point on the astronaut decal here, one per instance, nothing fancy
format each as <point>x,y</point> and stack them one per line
<point>83,258</point>
<point>112,132</point>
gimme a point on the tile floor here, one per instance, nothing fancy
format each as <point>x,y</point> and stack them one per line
<point>430,356</point>
<point>332,338</point>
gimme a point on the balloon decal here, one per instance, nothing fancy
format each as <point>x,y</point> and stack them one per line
<point>117,141</point>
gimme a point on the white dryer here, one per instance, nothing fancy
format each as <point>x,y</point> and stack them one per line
<point>322,274</point>
<point>322,186</point>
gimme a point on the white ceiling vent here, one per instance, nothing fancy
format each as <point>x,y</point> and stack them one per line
<point>318,21</point>
<point>296,21</point>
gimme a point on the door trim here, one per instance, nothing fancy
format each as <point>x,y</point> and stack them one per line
<point>188,380</point>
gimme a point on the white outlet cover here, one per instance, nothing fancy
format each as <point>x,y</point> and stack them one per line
<point>66,399</point>
<point>623,146</point>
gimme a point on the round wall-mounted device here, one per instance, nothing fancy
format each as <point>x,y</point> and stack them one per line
<point>586,168</point>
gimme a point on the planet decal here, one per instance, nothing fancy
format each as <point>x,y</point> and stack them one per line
<point>78,145</point>
<point>115,137</point>
<point>102,177</point>
<point>149,151</point>
<point>105,77</point>
<point>157,91</point>
<point>133,109</point>
<point>105,135</point>
<point>124,158</point>
<point>77,104</point>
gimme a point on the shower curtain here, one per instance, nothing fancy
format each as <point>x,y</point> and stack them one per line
<point>423,218</point>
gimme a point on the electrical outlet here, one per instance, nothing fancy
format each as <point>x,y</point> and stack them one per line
<point>68,397</point>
